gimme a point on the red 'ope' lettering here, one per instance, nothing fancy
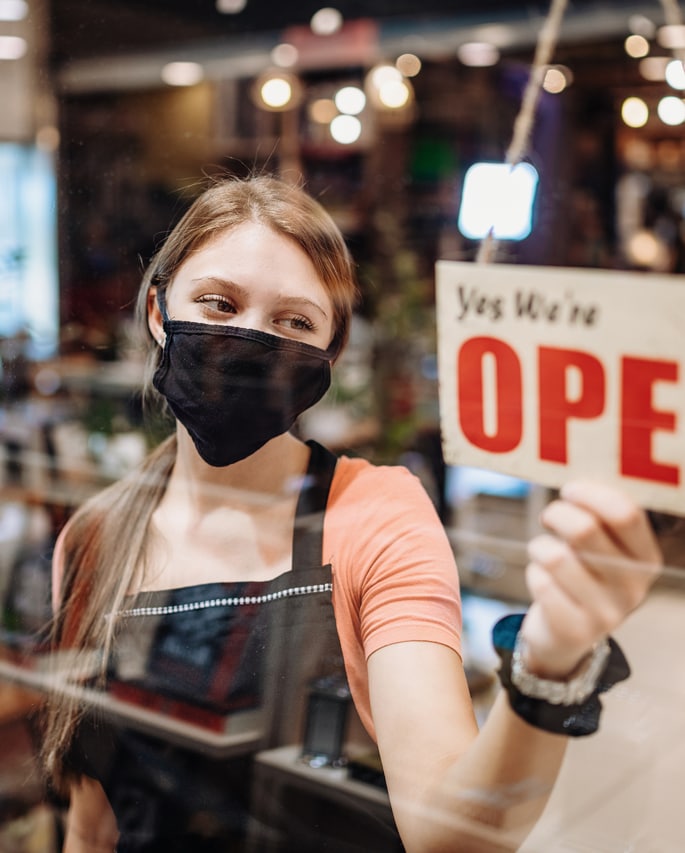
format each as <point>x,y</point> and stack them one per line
<point>509,428</point>
<point>557,406</point>
<point>639,419</point>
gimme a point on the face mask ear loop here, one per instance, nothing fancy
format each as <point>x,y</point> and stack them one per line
<point>333,353</point>
<point>161,301</point>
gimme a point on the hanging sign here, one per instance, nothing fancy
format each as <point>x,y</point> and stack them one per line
<point>548,374</point>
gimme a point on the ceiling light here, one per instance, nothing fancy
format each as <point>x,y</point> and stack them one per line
<point>387,88</point>
<point>675,74</point>
<point>326,21</point>
<point>394,94</point>
<point>346,129</point>
<point>641,25</point>
<point>322,111</point>
<point>634,112</point>
<point>478,54</point>
<point>13,10</point>
<point>636,46</point>
<point>671,110</point>
<point>556,79</point>
<point>653,68</point>
<point>285,55</point>
<point>277,90</point>
<point>230,7</point>
<point>408,64</point>
<point>182,73</point>
<point>383,74</point>
<point>350,100</point>
<point>672,36</point>
<point>12,47</point>
<point>646,249</point>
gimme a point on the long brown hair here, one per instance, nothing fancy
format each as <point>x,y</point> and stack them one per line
<point>103,551</point>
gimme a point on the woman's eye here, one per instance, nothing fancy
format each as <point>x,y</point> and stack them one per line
<point>298,323</point>
<point>218,303</point>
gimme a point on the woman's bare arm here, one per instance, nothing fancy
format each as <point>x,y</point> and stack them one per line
<point>91,826</point>
<point>453,788</point>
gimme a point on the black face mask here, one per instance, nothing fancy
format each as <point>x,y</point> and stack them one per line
<point>235,389</point>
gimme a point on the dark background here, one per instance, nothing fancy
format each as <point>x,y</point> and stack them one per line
<point>85,28</point>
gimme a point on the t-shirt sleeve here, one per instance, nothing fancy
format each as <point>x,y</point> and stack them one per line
<point>392,560</point>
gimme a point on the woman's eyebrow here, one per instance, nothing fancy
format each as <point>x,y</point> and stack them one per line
<point>227,284</point>
<point>224,283</point>
<point>294,301</point>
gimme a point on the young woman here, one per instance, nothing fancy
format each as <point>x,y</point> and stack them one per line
<point>240,563</point>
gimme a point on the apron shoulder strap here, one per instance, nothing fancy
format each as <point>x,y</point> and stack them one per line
<point>311,506</point>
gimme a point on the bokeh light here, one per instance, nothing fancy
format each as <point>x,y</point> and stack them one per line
<point>672,36</point>
<point>322,110</point>
<point>478,54</point>
<point>346,129</point>
<point>276,92</point>
<point>326,21</point>
<point>230,7</point>
<point>12,47</point>
<point>394,94</point>
<point>408,64</point>
<point>634,112</point>
<point>350,100</point>
<point>645,249</point>
<point>556,79</point>
<point>182,73</point>
<point>384,74</point>
<point>671,110</point>
<point>285,55</point>
<point>13,10</point>
<point>642,26</point>
<point>636,46</point>
<point>653,68</point>
<point>675,74</point>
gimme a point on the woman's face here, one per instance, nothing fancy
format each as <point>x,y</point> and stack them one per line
<point>250,276</point>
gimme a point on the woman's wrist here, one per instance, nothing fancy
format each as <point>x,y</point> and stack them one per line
<point>572,689</point>
<point>560,665</point>
<point>569,708</point>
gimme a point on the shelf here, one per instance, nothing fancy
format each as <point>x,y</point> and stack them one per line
<point>243,733</point>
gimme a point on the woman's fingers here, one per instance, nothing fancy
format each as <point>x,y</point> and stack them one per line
<point>595,551</point>
<point>556,628</point>
<point>622,518</point>
<point>594,604</point>
<point>588,573</point>
<point>561,568</point>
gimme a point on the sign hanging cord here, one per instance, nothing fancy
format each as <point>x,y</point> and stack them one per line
<point>523,124</point>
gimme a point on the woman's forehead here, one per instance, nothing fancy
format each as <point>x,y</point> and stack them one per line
<point>254,257</point>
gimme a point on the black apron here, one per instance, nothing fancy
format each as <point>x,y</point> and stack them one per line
<point>215,650</point>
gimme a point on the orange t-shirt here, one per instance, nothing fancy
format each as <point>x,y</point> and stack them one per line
<point>394,574</point>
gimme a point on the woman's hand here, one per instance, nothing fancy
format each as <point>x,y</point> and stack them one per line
<point>592,569</point>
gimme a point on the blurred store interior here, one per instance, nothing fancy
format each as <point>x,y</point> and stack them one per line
<point>114,113</point>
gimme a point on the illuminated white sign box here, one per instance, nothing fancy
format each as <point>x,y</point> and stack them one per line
<point>548,373</point>
<point>498,197</point>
